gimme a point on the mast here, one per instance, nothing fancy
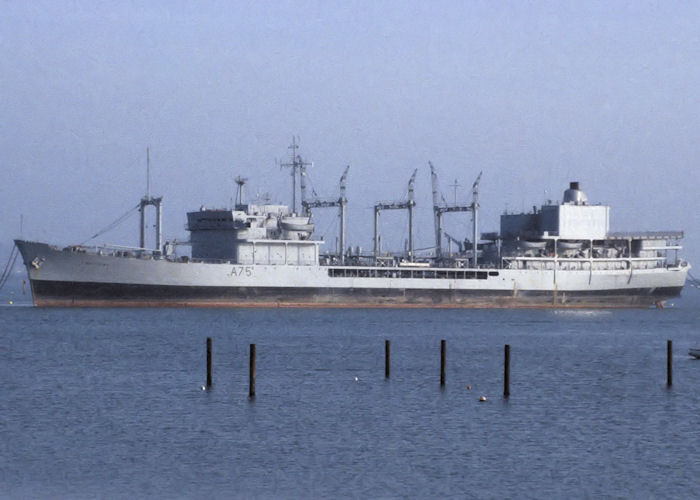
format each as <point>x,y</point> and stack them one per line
<point>343,201</point>
<point>302,188</point>
<point>297,164</point>
<point>240,191</point>
<point>159,223</point>
<point>455,186</point>
<point>411,204</point>
<point>376,232</point>
<point>144,201</point>
<point>148,172</point>
<point>294,148</point>
<point>152,201</point>
<point>437,214</point>
<point>142,226</point>
<point>475,211</point>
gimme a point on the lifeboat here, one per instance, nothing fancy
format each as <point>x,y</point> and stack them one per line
<point>569,245</point>
<point>296,224</point>
<point>529,245</point>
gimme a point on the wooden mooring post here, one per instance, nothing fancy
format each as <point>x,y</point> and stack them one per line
<point>387,358</point>
<point>669,363</point>
<point>442,363</point>
<point>506,371</point>
<point>208,361</point>
<point>251,387</point>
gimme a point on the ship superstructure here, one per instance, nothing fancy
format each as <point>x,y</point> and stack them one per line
<point>262,254</point>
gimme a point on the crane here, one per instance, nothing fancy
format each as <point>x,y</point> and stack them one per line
<point>441,208</point>
<point>444,207</point>
<point>341,202</point>
<point>397,205</point>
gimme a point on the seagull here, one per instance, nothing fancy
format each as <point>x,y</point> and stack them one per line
<point>203,388</point>
<point>357,379</point>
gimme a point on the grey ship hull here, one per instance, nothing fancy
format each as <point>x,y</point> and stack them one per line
<point>69,278</point>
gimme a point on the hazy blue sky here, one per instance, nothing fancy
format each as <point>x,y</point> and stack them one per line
<point>535,94</point>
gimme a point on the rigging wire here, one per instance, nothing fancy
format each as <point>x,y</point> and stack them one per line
<point>113,224</point>
<point>331,226</point>
<point>9,266</point>
<point>12,252</point>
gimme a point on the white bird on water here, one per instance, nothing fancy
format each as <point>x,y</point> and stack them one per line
<point>357,379</point>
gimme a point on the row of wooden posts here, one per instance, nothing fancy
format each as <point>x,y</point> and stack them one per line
<point>387,366</point>
<point>443,362</point>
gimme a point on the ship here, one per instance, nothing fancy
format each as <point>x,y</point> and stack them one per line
<point>559,255</point>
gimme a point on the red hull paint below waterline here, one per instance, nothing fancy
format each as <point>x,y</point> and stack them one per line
<point>71,294</point>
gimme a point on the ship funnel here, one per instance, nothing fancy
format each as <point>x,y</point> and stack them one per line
<point>574,196</point>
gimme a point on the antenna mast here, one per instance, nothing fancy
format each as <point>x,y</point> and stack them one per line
<point>148,172</point>
<point>455,186</point>
<point>296,164</point>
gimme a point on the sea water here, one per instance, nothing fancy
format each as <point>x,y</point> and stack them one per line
<point>109,403</point>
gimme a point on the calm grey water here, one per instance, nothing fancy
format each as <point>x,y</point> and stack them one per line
<point>107,403</point>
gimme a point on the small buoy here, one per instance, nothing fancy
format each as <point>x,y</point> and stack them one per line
<point>469,387</point>
<point>357,379</point>
<point>10,302</point>
<point>482,399</point>
<point>203,388</point>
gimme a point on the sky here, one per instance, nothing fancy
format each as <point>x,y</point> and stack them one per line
<point>534,94</point>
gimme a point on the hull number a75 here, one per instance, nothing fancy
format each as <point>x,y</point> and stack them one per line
<point>246,271</point>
